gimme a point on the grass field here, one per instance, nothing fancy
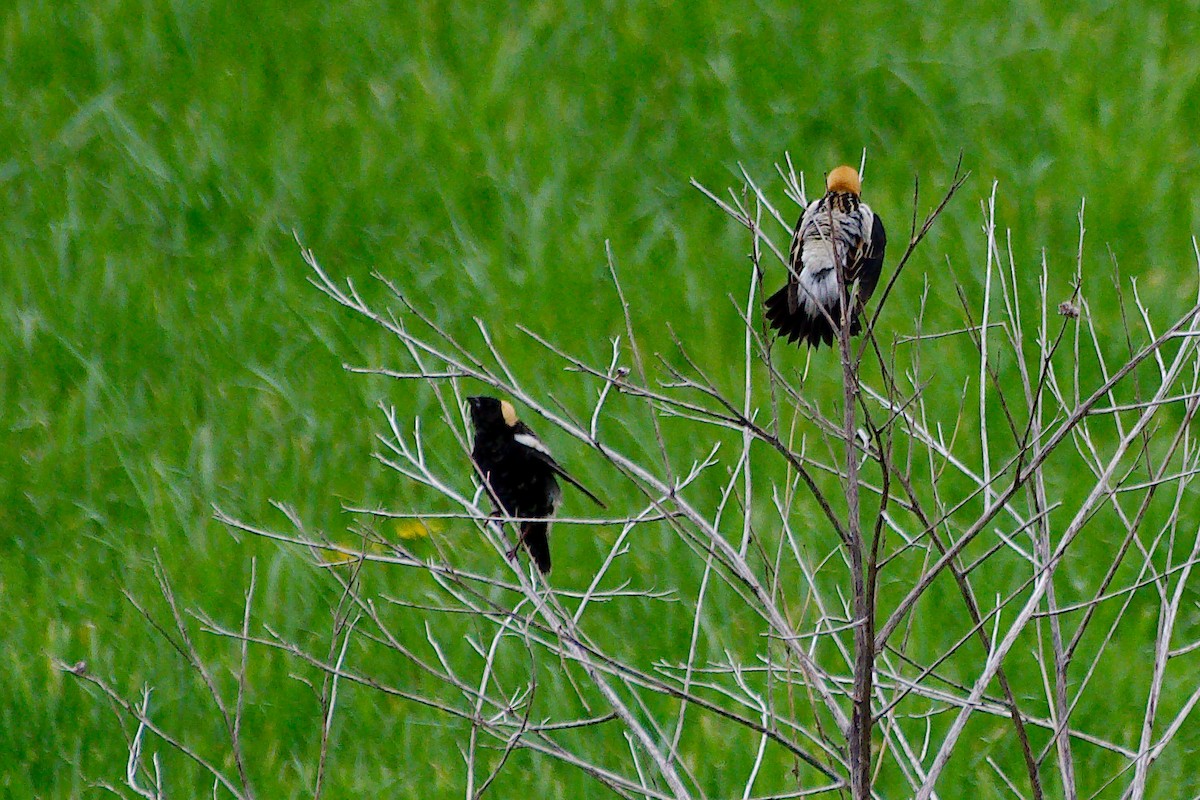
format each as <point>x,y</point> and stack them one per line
<point>162,352</point>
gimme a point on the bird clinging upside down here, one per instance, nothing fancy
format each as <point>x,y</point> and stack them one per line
<point>838,230</point>
<point>519,473</point>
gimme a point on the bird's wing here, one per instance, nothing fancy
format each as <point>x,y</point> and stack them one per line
<point>796,255</point>
<point>869,264</point>
<point>526,437</point>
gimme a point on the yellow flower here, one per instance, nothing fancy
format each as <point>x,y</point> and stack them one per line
<point>406,529</point>
<point>417,529</point>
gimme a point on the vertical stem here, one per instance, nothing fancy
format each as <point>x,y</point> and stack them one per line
<point>863,577</point>
<point>861,721</point>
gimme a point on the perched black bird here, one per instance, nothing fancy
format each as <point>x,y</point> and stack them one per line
<point>838,230</point>
<point>518,472</point>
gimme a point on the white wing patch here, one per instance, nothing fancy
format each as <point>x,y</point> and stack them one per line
<point>532,442</point>
<point>830,237</point>
<point>802,233</point>
<point>817,256</point>
<point>868,223</point>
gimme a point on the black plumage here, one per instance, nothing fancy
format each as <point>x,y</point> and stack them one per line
<point>519,473</point>
<point>836,231</point>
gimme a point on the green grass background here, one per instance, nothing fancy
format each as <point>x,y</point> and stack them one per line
<point>161,350</point>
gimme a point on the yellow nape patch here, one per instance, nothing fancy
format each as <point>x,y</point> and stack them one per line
<point>510,413</point>
<point>844,179</point>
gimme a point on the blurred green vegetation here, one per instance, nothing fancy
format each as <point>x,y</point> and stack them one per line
<point>162,352</point>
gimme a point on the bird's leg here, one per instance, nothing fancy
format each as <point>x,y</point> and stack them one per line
<point>511,554</point>
<point>498,517</point>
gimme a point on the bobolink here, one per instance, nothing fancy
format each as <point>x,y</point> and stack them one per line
<point>836,230</point>
<point>519,473</point>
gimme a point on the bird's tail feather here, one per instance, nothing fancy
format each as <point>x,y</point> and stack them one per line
<point>799,326</point>
<point>536,536</point>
